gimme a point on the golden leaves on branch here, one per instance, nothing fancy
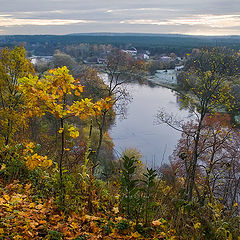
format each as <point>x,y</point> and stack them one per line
<point>86,108</point>
<point>33,160</point>
<point>73,132</point>
<point>36,160</point>
<point>48,94</point>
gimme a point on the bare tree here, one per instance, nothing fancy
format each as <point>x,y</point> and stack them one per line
<point>209,89</point>
<point>121,68</point>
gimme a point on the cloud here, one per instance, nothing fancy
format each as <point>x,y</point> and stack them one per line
<point>7,21</point>
<point>215,21</point>
<point>146,22</point>
<point>58,11</point>
<point>152,16</point>
<point>141,9</point>
<point>40,12</point>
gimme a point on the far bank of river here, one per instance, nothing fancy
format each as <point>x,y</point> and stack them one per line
<point>155,142</point>
<point>163,78</point>
<point>138,130</point>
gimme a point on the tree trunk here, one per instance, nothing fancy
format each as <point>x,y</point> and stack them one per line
<point>8,133</point>
<point>101,128</point>
<point>62,187</point>
<point>195,159</point>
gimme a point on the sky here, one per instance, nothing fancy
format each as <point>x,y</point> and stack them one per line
<point>195,17</point>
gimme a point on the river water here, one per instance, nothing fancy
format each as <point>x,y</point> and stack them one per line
<point>139,130</point>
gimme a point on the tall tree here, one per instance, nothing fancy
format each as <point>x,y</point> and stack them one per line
<point>120,68</point>
<point>13,65</point>
<point>53,94</point>
<point>208,81</point>
<point>218,161</point>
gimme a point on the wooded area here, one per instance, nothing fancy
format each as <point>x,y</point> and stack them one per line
<point>59,178</point>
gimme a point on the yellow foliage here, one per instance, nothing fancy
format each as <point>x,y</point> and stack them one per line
<point>197,225</point>
<point>13,65</point>
<point>34,161</point>
<point>61,130</point>
<point>48,94</point>
<point>135,235</point>
<point>91,218</point>
<point>3,167</point>
<point>115,210</point>
<point>6,197</point>
<point>73,132</point>
<point>157,222</point>
<point>16,198</point>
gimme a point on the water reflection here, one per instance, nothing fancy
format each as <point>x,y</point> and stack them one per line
<point>156,142</point>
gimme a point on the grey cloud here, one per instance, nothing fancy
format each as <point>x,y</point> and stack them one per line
<point>155,16</point>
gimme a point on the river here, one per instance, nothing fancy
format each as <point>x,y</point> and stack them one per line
<point>138,130</point>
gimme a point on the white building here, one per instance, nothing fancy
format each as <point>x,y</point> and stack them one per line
<point>146,56</point>
<point>36,59</point>
<point>132,51</point>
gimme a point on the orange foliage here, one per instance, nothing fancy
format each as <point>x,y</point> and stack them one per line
<point>23,216</point>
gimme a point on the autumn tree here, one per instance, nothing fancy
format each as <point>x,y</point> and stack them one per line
<point>120,68</point>
<point>78,51</point>
<point>53,94</point>
<point>223,61</point>
<point>209,84</point>
<point>217,172</point>
<point>62,59</point>
<point>13,65</point>
<point>94,86</point>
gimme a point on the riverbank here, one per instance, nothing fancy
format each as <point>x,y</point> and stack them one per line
<point>166,79</point>
<point>164,84</point>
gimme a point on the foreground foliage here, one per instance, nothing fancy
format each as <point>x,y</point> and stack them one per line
<point>52,188</point>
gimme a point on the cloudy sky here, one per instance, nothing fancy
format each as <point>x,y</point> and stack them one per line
<point>198,17</point>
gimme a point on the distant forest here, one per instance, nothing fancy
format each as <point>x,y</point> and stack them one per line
<point>155,43</point>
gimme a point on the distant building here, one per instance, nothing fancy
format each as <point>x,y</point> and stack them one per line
<point>101,60</point>
<point>94,60</point>
<point>132,51</point>
<point>165,59</point>
<point>179,68</point>
<point>43,59</point>
<point>145,56</point>
<point>91,60</point>
<point>148,52</point>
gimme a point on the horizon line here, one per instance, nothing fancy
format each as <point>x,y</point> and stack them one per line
<point>122,33</point>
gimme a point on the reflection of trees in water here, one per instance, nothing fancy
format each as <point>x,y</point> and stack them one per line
<point>124,99</point>
<point>179,100</point>
<point>151,84</point>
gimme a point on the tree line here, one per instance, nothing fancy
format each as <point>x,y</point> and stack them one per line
<point>57,180</point>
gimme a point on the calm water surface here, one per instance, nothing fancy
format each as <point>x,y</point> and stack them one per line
<point>138,130</point>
